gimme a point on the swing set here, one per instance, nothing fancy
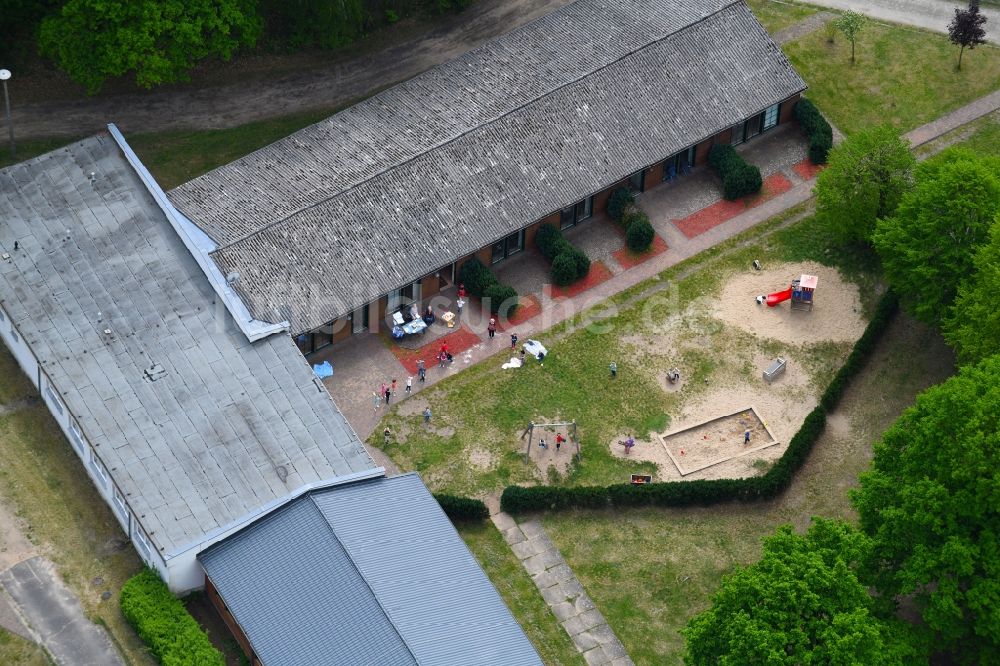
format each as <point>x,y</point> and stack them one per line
<point>529,432</point>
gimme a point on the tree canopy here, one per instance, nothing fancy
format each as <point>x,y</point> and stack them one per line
<point>802,603</point>
<point>851,23</point>
<point>864,180</point>
<point>966,29</point>
<point>931,503</point>
<point>156,40</point>
<point>927,246</point>
<point>973,325</point>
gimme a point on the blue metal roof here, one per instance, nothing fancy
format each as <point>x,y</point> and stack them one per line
<point>368,572</point>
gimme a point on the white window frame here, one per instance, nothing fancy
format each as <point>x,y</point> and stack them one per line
<point>99,469</point>
<point>770,120</point>
<point>140,539</point>
<point>119,502</point>
<point>53,396</point>
<point>76,436</point>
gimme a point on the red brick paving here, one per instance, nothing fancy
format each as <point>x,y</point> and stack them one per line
<point>598,274</point>
<point>529,306</point>
<point>458,341</point>
<point>806,169</point>
<point>701,221</point>
<point>627,259</point>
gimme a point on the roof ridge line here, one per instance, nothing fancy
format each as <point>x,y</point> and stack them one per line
<point>274,223</point>
<point>362,576</point>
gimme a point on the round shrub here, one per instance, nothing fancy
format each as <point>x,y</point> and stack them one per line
<point>631,215</point>
<point>476,277</point>
<point>564,269</point>
<point>547,241</point>
<point>639,235</point>
<point>502,299</point>
<point>741,181</point>
<point>620,200</point>
<point>819,148</point>
<point>722,157</point>
<point>581,261</point>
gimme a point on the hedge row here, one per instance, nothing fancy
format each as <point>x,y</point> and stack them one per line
<point>481,282</point>
<point>620,201</point>
<point>816,128</point>
<point>704,492</point>
<point>462,508</point>
<point>569,263</point>
<point>163,624</point>
<point>638,231</point>
<point>739,177</point>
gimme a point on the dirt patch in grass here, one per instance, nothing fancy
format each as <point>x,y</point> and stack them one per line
<point>836,314</point>
<point>548,457</point>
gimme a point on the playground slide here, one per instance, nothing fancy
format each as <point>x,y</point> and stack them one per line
<point>778,297</point>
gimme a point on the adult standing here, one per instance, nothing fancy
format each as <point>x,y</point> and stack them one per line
<point>421,370</point>
<point>492,327</point>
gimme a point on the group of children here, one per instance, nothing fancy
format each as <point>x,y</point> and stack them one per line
<point>386,391</point>
<point>559,442</point>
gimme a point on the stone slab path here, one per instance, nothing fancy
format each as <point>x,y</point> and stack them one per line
<point>954,120</point>
<point>53,614</point>
<point>563,593</point>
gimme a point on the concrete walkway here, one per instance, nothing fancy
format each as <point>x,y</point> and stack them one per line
<point>563,593</point>
<point>954,120</point>
<point>54,616</point>
<point>933,15</point>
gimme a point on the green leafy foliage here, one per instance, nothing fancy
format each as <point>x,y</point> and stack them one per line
<point>802,603</point>
<point>314,23</point>
<point>158,41</point>
<point>927,246</point>
<point>967,29</point>
<point>462,508</point>
<point>930,503</point>
<point>816,127</point>
<point>620,201</point>
<point>476,277</point>
<point>162,622</point>
<point>701,492</point>
<point>973,325</point>
<point>851,23</point>
<point>639,234</point>
<point>866,178</point>
<point>739,178</point>
<point>564,269</point>
<point>502,299</point>
<point>581,261</point>
<point>548,240</point>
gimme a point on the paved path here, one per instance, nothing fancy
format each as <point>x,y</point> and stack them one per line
<point>807,25</point>
<point>563,593</point>
<point>55,616</point>
<point>934,15</point>
<point>954,120</point>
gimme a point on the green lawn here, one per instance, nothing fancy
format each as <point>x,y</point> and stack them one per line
<point>16,651</point>
<point>45,484</point>
<point>473,446</point>
<point>903,77</point>
<point>981,136</point>
<point>649,571</point>
<point>775,16</point>
<point>519,593</point>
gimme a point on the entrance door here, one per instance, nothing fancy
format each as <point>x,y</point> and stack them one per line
<point>359,321</point>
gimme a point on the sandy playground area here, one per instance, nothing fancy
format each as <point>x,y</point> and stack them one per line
<point>782,405</point>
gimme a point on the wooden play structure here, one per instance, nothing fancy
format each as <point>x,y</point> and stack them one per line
<point>570,432</point>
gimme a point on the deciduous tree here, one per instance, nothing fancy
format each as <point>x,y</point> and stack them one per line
<point>866,176</point>
<point>931,503</point>
<point>802,603</point>
<point>966,29</point>
<point>927,246</point>
<point>973,325</point>
<point>851,23</point>
<point>158,41</point>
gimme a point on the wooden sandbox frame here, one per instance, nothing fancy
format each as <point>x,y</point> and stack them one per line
<point>663,437</point>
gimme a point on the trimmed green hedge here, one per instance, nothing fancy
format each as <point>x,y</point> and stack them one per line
<point>816,128</point>
<point>704,492</point>
<point>564,269</point>
<point>569,263</point>
<point>739,177</point>
<point>161,621</point>
<point>547,240</point>
<point>462,508</point>
<point>620,201</point>
<point>480,281</point>
<point>639,233</point>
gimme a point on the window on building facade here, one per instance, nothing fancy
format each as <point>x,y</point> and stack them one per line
<point>504,248</point>
<point>140,540</point>
<point>637,181</point>
<point>100,471</point>
<point>13,334</point>
<point>304,342</point>
<point>678,164</point>
<point>576,213</point>
<point>584,209</point>
<point>752,127</point>
<point>771,116</point>
<point>53,397</point>
<point>120,505</point>
<point>76,436</point>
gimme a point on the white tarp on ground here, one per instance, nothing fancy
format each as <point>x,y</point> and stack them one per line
<point>535,348</point>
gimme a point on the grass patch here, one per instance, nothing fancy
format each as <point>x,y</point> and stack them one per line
<point>650,570</point>
<point>45,484</point>
<point>903,77</point>
<point>775,16</point>
<point>16,650</point>
<point>519,593</point>
<point>982,136</point>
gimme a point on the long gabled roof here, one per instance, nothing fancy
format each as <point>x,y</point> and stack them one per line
<point>102,288</point>
<point>364,573</point>
<point>621,85</point>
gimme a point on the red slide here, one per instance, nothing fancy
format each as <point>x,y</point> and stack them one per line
<point>778,297</point>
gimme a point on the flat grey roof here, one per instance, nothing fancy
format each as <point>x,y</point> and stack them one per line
<point>391,189</point>
<point>373,570</point>
<point>230,426</point>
